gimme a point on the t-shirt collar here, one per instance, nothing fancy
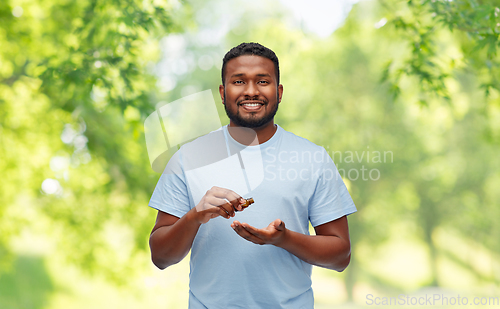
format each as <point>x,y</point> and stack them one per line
<point>266,144</point>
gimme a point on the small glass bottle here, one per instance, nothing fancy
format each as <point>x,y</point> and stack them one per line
<point>249,201</point>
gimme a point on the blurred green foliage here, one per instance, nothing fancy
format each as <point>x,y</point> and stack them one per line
<point>476,25</point>
<point>70,72</point>
<point>26,285</point>
<point>416,81</point>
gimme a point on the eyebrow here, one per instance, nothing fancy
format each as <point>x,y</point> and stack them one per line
<point>237,75</point>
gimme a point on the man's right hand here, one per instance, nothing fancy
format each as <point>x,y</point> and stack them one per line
<point>172,237</point>
<point>218,202</point>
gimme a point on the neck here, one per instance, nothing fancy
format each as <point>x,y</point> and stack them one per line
<point>252,136</point>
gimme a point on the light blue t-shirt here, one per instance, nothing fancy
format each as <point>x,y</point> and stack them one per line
<point>289,178</point>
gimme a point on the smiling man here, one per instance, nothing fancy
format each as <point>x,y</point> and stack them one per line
<point>264,258</point>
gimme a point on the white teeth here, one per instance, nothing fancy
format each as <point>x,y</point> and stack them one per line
<point>252,104</point>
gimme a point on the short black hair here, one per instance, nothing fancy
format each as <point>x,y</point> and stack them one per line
<point>250,49</point>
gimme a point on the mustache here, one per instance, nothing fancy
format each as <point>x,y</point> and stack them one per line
<point>255,100</point>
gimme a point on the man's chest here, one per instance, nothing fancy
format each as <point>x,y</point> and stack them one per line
<point>284,174</point>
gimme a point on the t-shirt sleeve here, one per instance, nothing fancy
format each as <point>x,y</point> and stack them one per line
<point>330,200</point>
<point>171,192</point>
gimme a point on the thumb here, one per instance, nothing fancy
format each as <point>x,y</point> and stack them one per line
<point>279,225</point>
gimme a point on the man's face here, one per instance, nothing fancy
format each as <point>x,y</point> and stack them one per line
<point>251,94</point>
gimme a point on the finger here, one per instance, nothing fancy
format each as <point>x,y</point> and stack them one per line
<point>252,230</point>
<point>210,202</point>
<point>219,192</point>
<point>244,233</point>
<point>223,212</point>
<point>224,194</point>
<point>240,230</point>
<point>215,201</point>
<point>236,203</point>
<point>228,207</point>
<point>279,225</point>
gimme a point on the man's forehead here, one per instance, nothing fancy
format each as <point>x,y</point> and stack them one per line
<point>250,63</point>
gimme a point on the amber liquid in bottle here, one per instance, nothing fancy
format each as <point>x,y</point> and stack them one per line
<point>249,201</point>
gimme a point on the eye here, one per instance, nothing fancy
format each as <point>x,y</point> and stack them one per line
<point>263,82</point>
<point>238,82</point>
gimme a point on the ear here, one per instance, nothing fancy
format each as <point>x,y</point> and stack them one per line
<point>221,92</point>
<point>280,92</point>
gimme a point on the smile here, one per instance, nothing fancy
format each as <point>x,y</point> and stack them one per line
<point>251,102</point>
<point>252,106</point>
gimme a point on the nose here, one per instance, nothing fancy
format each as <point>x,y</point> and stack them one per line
<point>251,90</point>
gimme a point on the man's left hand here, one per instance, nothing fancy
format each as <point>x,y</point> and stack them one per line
<point>273,234</point>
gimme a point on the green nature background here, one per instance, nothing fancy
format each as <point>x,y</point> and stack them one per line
<point>419,80</point>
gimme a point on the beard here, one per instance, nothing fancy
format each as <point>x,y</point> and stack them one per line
<point>252,121</point>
